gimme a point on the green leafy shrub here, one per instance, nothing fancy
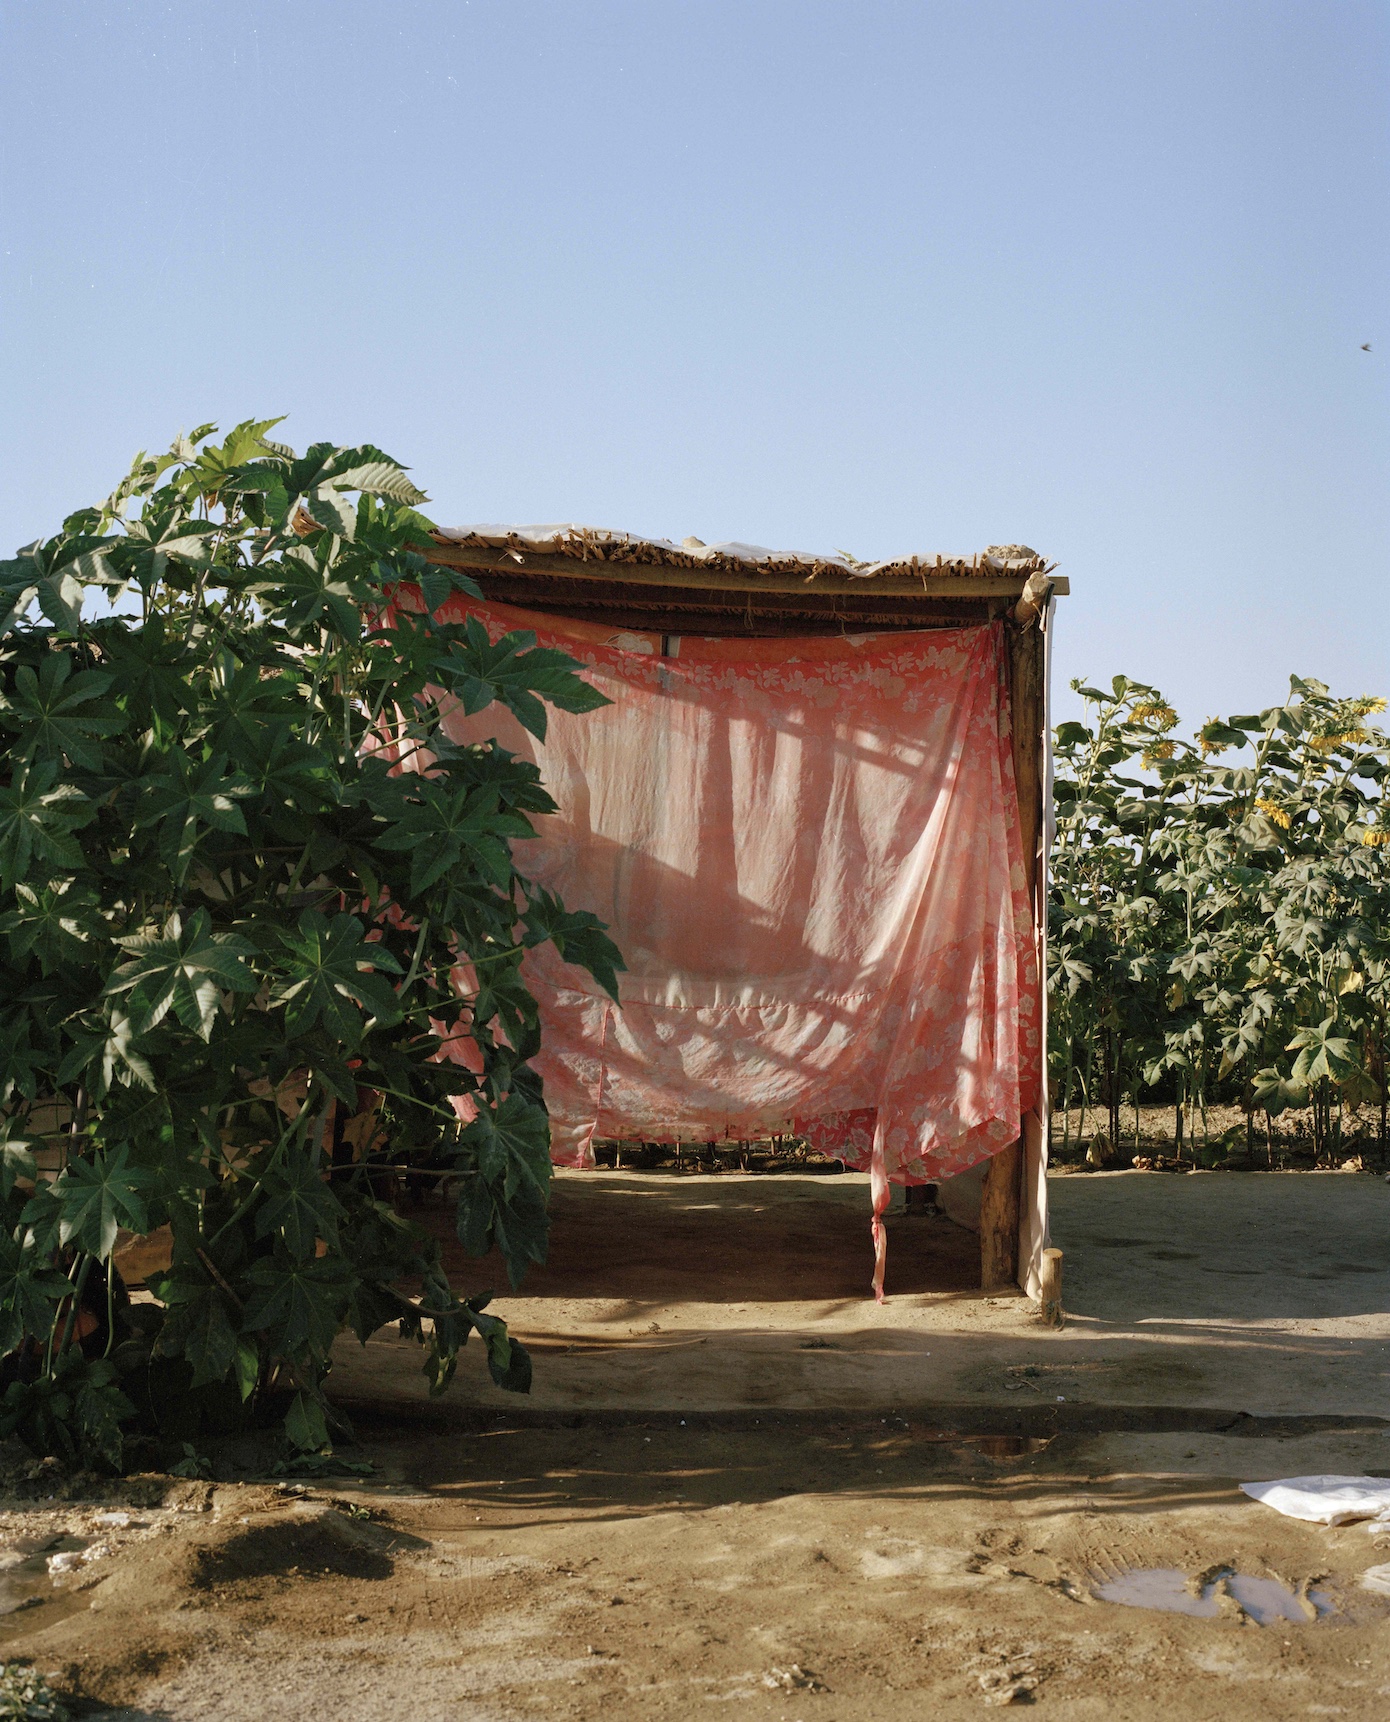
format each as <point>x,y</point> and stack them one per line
<point>1220,908</point>
<point>25,1696</point>
<point>228,924</point>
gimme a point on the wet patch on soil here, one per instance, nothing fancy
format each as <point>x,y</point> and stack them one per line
<point>1266,1601</point>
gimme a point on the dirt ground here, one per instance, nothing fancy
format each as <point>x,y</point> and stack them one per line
<point>1220,1137</point>
<point>1265,1293</point>
<point>689,1513</point>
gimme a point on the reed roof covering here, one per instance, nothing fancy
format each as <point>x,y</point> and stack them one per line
<point>596,544</point>
<point>654,583</point>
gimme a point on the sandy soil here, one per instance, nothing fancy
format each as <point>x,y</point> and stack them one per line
<point>846,1572</point>
<point>1263,1293</point>
<point>739,1482</point>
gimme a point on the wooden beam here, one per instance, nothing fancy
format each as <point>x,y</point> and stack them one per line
<point>1001,1202</point>
<point>752,622</point>
<point>548,590</point>
<point>1026,671</point>
<point>700,579</point>
<point>1033,600</point>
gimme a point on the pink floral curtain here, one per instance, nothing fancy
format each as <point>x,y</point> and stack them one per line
<point>808,852</point>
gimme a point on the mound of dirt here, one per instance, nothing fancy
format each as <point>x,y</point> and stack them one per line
<point>288,1549</point>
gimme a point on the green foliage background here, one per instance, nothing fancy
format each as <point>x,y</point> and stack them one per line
<point>1220,908</point>
<point>226,923</point>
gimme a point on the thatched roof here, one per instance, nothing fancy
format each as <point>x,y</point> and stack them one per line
<point>597,544</point>
<point>692,587</point>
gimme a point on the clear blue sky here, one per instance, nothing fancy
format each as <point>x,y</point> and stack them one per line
<point>888,277</point>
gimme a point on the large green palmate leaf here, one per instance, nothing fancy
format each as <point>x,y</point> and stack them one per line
<point>60,599</point>
<point>19,585</point>
<point>149,672</point>
<point>101,1055</point>
<point>1322,1053</point>
<point>1276,1093</point>
<point>75,1411</point>
<point>509,1362</point>
<point>187,797</point>
<point>244,703</point>
<point>307,594</point>
<point>449,829</point>
<point>284,771</point>
<point>503,994</point>
<point>50,712</point>
<point>512,1145</point>
<point>503,1201</point>
<point>332,509</point>
<point>101,1407</point>
<point>298,1204</point>
<point>96,1197</point>
<point>305,1423</point>
<point>319,470</point>
<point>30,1291</point>
<point>437,585</point>
<point>16,1157</point>
<point>516,672</point>
<point>184,969</point>
<point>38,816</point>
<point>206,471</point>
<point>365,469</point>
<point>300,1304</point>
<point>169,535</point>
<point>200,1325</point>
<point>521,1230</point>
<point>54,572</point>
<point>327,967</point>
<point>577,935</point>
<point>56,923</point>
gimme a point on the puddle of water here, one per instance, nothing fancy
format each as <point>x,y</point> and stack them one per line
<point>1158,1587</point>
<point>1265,1600</point>
<point>24,1572</point>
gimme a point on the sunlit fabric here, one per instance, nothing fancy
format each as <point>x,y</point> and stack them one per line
<point>808,852</point>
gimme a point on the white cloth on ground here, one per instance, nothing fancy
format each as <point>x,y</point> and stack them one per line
<point>1325,1500</point>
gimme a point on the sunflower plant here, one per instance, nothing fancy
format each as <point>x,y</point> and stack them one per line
<point>1220,910</point>
<point>232,936</point>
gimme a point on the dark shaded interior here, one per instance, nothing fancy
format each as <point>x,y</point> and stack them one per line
<point>657,1238</point>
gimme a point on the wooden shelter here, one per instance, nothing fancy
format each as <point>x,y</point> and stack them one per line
<point>668,589</point>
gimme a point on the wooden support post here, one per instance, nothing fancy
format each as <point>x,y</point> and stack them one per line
<point>1002,1198</point>
<point>1051,1291</point>
<point>1037,589</point>
<point>999,1213</point>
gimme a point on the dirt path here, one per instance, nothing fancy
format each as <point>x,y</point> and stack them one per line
<point>741,1483</point>
<point>843,1572</point>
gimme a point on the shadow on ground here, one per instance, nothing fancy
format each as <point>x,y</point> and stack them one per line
<point>659,1237</point>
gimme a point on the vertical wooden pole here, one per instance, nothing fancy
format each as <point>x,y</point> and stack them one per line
<point>1002,1196</point>
<point>1000,1206</point>
<point>1050,1295</point>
